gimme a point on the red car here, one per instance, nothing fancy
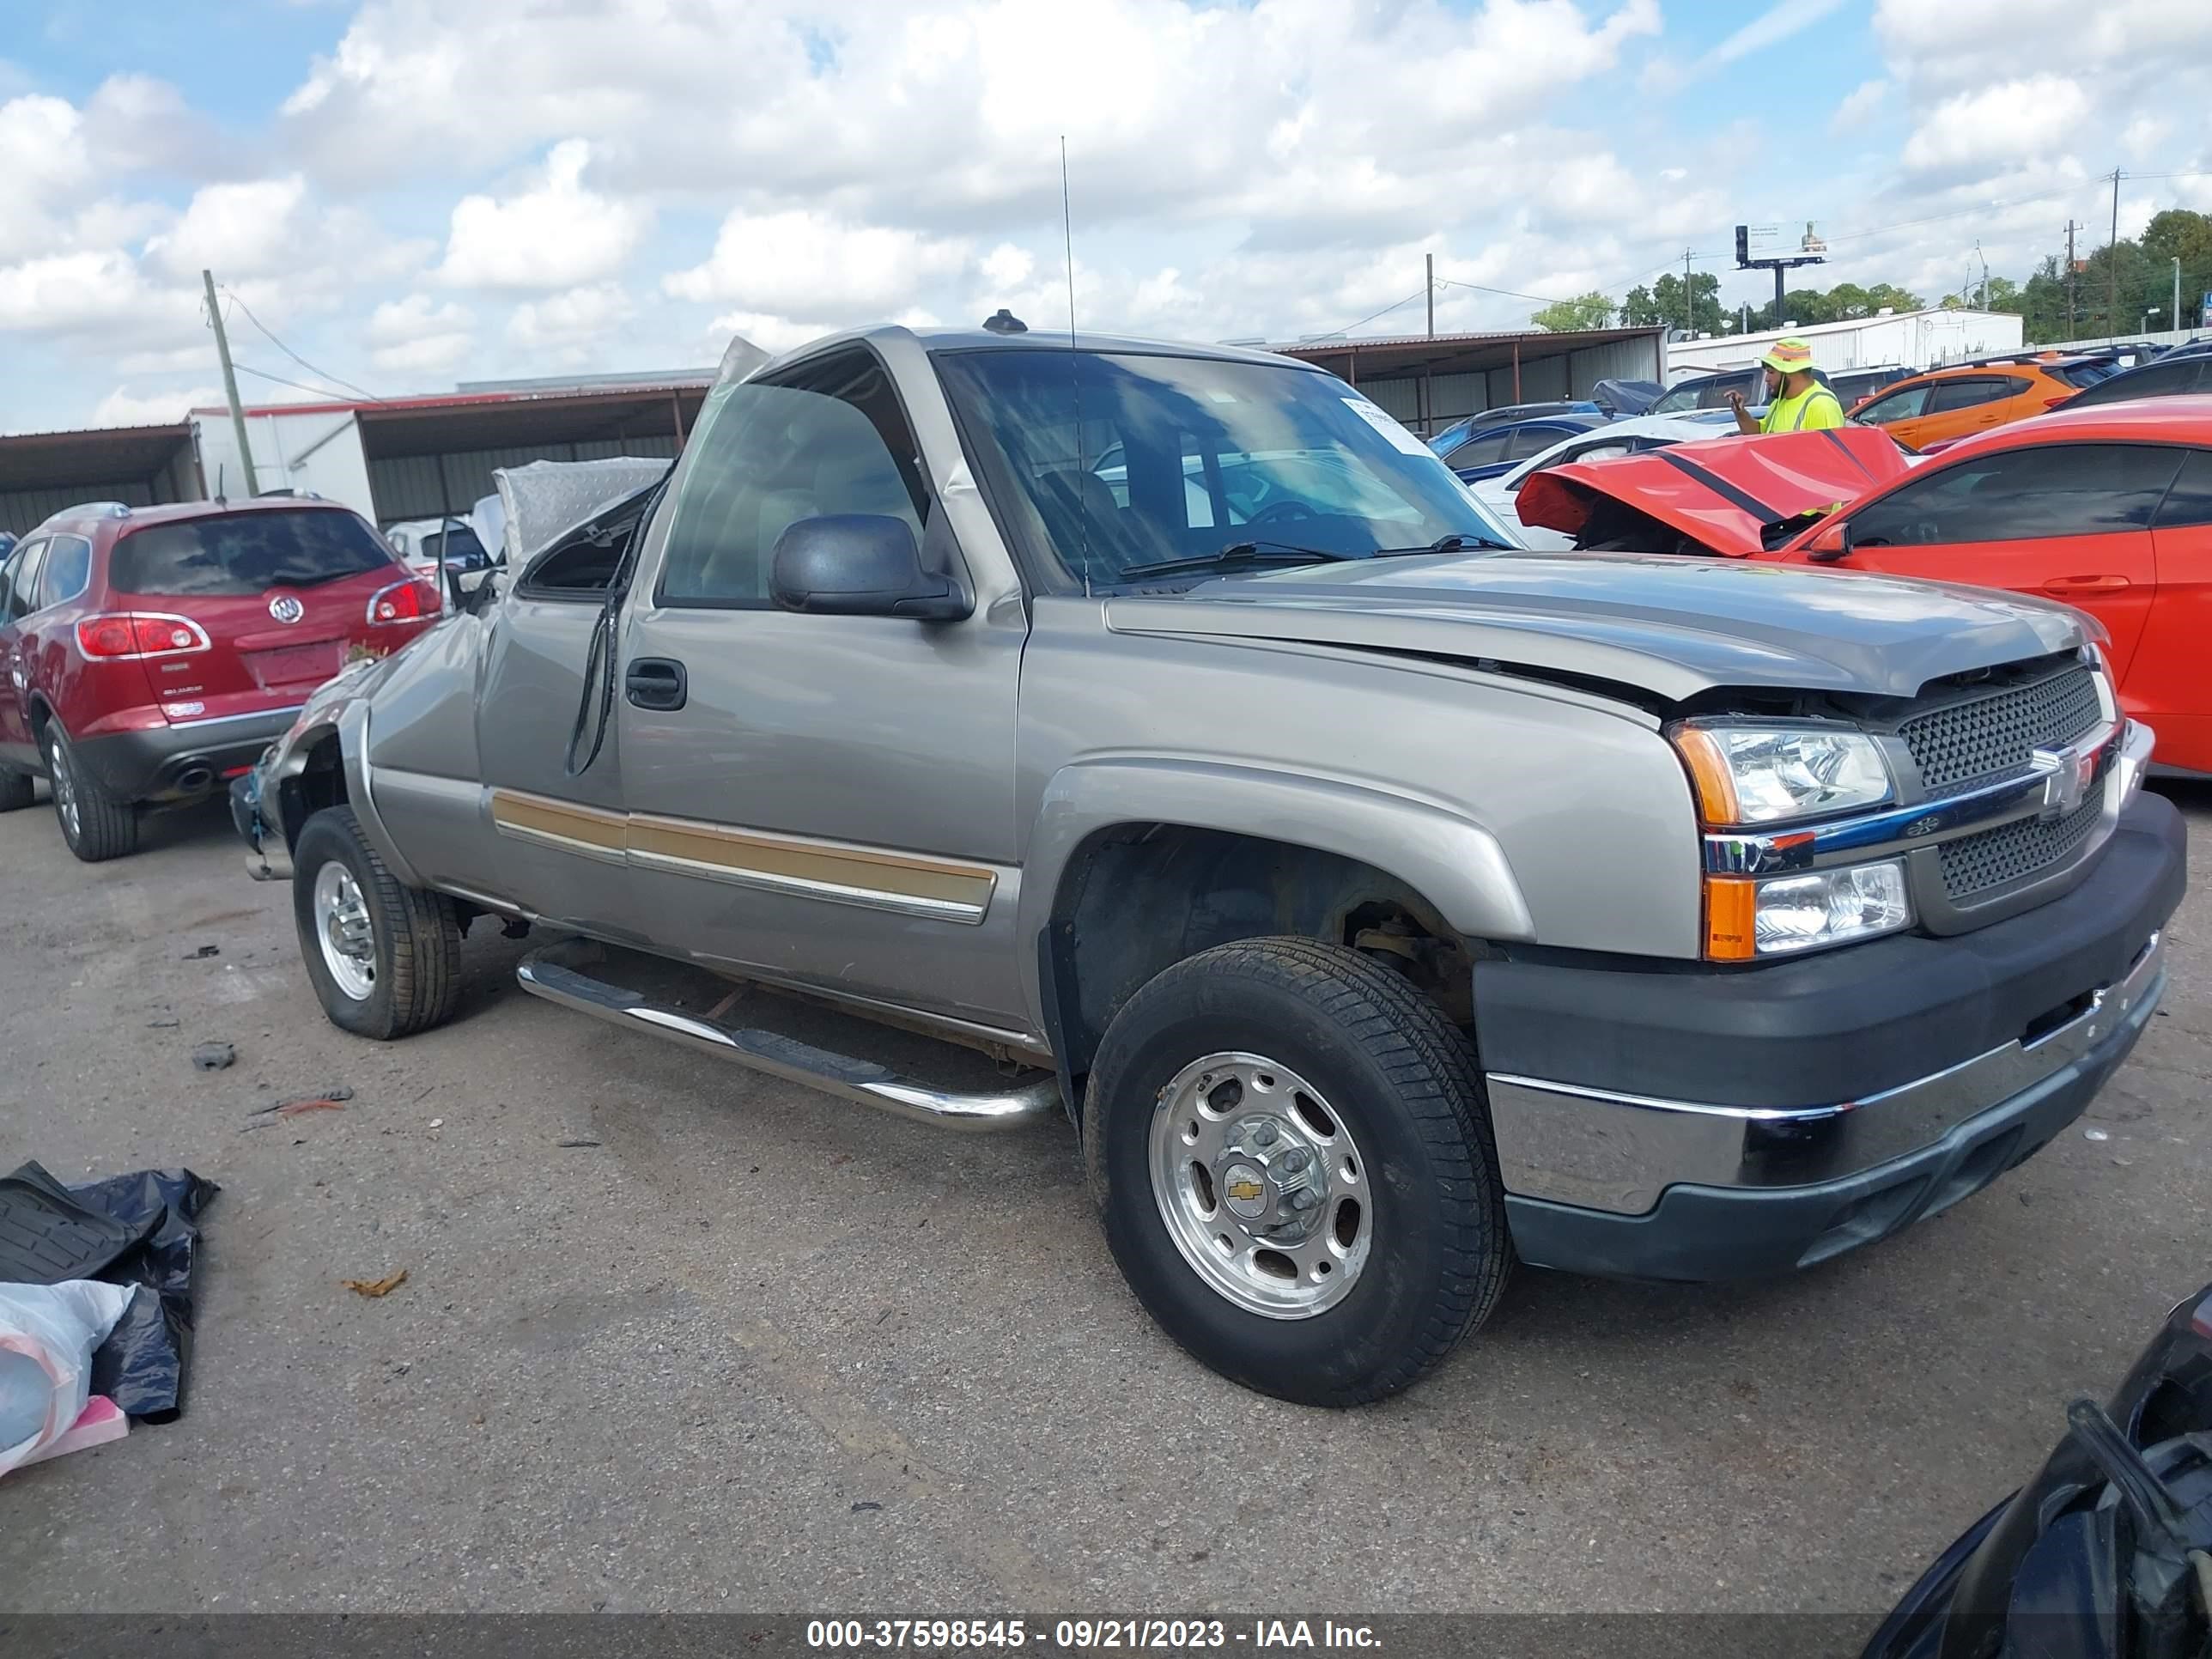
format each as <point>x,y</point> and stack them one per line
<point>148,654</point>
<point>2108,508</point>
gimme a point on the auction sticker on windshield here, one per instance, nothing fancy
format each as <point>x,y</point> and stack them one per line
<point>1384,422</point>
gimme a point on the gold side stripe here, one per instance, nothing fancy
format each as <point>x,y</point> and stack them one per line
<point>835,871</point>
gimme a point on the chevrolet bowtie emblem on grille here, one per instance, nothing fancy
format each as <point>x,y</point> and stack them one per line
<point>2067,776</point>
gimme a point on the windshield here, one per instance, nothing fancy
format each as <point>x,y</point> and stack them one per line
<point>246,553</point>
<point>1121,461</point>
<point>2080,374</point>
<point>1710,392</point>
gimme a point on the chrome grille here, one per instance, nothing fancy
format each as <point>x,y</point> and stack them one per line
<point>1964,742</point>
<point>1975,864</point>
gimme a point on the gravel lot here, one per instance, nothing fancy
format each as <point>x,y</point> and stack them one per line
<point>759,1349</point>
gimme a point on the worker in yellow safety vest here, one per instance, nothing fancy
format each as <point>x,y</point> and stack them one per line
<point>1796,401</point>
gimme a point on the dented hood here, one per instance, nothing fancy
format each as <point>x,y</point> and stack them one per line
<point>1723,492</point>
<point>1671,626</point>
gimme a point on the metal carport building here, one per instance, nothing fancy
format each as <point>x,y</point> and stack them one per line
<point>1430,380</point>
<point>43,472</point>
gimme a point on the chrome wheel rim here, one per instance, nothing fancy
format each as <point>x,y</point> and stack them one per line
<point>63,782</point>
<point>1260,1185</point>
<point>342,927</point>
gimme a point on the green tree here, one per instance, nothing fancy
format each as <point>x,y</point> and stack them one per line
<point>1591,310</point>
<point>1702,313</point>
<point>1639,309</point>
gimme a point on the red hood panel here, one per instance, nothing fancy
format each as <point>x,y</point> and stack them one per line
<point>1722,491</point>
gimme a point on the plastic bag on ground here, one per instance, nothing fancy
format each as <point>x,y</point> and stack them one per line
<point>48,1333</point>
<point>141,1366</point>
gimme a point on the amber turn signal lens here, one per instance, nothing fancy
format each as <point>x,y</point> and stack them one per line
<point>1709,770</point>
<point>1729,905</point>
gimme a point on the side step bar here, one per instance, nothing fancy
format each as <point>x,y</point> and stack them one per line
<point>558,974</point>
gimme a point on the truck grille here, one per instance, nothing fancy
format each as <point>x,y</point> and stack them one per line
<point>1964,742</point>
<point>1974,864</point>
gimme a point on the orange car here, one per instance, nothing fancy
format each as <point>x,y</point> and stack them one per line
<point>1948,404</point>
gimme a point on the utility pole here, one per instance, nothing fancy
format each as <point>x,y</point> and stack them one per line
<point>2112,266</point>
<point>230,384</point>
<point>2173,317</point>
<point>1432,295</point>
<point>1689,310</point>
<point>2069,278</point>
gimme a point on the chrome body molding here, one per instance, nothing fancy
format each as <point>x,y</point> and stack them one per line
<point>229,720</point>
<point>833,892</point>
<point>2057,780</point>
<point>1600,1150</point>
<point>571,974</point>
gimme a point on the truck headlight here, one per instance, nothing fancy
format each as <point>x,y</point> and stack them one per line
<point>1748,773</point>
<point>1781,915</point>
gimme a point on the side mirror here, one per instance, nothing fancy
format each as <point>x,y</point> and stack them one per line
<point>1832,546</point>
<point>861,564</point>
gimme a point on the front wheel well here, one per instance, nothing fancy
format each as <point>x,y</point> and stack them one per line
<point>1138,898</point>
<point>320,782</point>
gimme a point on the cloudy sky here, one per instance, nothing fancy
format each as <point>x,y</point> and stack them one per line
<point>409,192</point>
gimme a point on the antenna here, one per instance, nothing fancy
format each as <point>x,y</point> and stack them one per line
<point>1074,379</point>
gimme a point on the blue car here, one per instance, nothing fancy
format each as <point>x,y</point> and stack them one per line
<point>1495,441</point>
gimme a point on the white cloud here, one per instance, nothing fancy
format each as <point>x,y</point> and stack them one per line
<point>800,260</point>
<point>124,407</point>
<point>419,336</point>
<point>2005,123</point>
<point>1862,101</point>
<point>106,293</point>
<point>555,235</point>
<point>238,230</point>
<point>1780,21</point>
<point>570,319</point>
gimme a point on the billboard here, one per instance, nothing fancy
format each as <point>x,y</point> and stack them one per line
<point>1796,239</point>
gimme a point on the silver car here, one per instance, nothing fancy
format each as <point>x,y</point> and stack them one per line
<point>1382,905</point>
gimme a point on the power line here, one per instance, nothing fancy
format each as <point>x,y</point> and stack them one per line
<point>293,355</point>
<point>297,385</point>
<point>1510,294</point>
<point>1394,306</point>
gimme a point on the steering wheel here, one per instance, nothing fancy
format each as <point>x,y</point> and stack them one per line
<point>1289,510</point>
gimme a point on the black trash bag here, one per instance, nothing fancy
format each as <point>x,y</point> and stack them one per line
<point>142,1365</point>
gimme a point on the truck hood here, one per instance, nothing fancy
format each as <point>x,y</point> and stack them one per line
<point>1671,626</point>
<point>1724,493</point>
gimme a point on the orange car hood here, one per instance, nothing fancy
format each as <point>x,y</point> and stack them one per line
<point>1723,492</point>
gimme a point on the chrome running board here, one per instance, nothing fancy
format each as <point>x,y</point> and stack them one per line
<point>558,972</point>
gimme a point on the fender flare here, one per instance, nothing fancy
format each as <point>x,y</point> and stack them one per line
<point>1448,859</point>
<point>347,721</point>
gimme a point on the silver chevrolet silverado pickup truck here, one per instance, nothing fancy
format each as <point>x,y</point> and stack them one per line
<point>1384,905</point>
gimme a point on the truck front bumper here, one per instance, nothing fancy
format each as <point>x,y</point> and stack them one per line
<point>1697,1123</point>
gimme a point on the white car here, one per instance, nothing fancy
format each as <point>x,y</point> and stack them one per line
<point>1640,432</point>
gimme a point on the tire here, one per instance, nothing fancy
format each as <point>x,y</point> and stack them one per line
<point>16,789</point>
<point>1360,1315</point>
<point>97,826</point>
<point>405,976</point>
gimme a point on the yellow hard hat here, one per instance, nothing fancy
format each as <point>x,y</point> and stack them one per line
<point>1788,357</point>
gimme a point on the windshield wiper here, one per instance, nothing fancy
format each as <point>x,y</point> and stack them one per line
<point>1450,544</point>
<point>1244,552</point>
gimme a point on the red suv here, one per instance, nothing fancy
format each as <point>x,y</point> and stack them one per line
<point>148,654</point>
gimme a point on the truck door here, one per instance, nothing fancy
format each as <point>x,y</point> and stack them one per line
<point>824,800</point>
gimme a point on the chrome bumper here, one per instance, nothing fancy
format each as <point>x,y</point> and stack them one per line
<point>1619,1152</point>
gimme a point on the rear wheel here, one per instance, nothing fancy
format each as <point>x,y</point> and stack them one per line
<point>97,825</point>
<point>1288,1144</point>
<point>16,791</point>
<point>385,959</point>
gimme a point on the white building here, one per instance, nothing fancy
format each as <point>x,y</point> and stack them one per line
<point>1910,339</point>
